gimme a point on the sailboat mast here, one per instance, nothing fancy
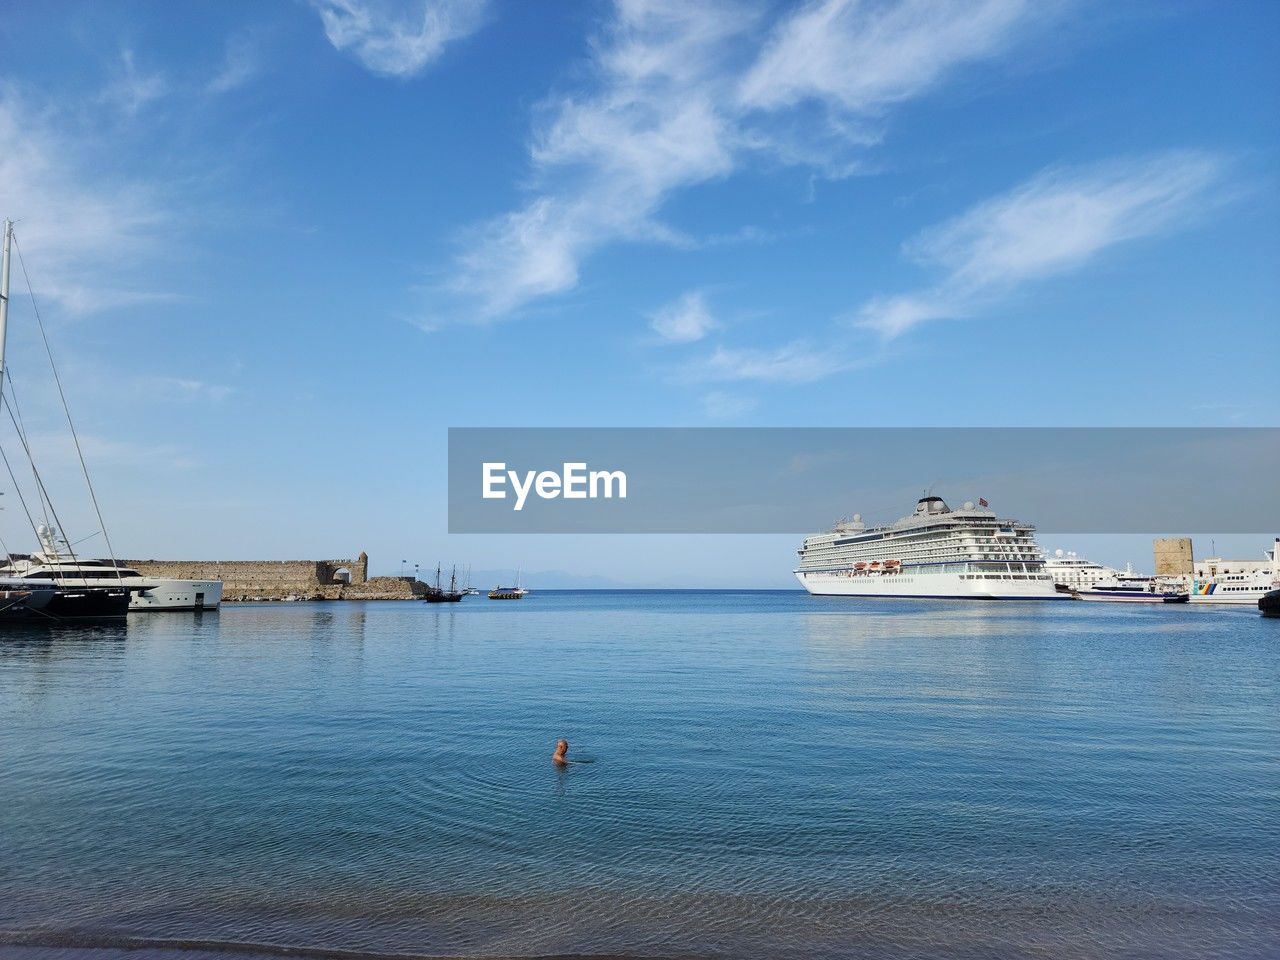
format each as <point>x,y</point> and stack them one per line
<point>4,294</point>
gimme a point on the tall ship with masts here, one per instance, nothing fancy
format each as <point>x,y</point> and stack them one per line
<point>437,593</point>
<point>934,552</point>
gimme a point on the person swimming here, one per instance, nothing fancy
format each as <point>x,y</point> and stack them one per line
<point>559,757</point>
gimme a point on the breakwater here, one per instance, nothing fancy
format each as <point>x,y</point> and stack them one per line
<point>341,579</point>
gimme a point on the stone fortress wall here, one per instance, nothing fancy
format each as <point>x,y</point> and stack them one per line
<point>287,579</point>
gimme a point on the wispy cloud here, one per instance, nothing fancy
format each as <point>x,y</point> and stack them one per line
<point>131,89</point>
<point>860,57</point>
<point>240,64</point>
<point>83,234</point>
<point>609,156</point>
<point>685,319</point>
<point>679,94</point>
<point>1056,222</point>
<point>398,38</point>
<point>796,362</point>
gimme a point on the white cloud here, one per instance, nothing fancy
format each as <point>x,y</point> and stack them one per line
<point>649,125</point>
<point>862,56</point>
<point>131,90</point>
<point>682,93</point>
<point>398,38</point>
<point>1056,222</point>
<point>83,235</point>
<point>240,64</point>
<point>795,362</point>
<point>684,320</point>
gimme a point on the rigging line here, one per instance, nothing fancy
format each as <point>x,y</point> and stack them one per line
<point>22,431</point>
<point>9,400</point>
<point>40,481</point>
<point>67,410</point>
<point>17,489</point>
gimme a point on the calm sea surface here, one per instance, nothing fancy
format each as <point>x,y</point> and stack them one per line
<point>774,775</point>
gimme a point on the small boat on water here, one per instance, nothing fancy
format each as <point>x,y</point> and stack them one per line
<point>1270,604</point>
<point>509,593</point>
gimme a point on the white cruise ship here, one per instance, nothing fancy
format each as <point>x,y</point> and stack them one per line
<point>935,552</point>
<point>1074,572</point>
<point>146,593</point>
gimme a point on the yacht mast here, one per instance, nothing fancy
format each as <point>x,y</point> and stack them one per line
<point>4,294</point>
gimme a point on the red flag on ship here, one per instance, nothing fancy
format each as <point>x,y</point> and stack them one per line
<point>982,502</point>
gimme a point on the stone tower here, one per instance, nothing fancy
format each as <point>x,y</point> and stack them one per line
<point>1173,556</point>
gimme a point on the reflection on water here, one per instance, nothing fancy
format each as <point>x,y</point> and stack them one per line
<point>776,776</point>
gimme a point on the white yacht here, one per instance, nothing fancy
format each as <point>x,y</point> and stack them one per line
<point>1245,582</point>
<point>1074,572</point>
<point>934,552</point>
<point>146,593</point>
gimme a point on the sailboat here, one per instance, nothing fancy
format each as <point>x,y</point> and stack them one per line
<point>438,594</point>
<point>48,596</point>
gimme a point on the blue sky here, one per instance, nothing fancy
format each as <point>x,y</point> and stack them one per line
<point>281,247</point>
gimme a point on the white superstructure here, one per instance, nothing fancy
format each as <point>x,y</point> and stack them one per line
<point>1220,581</point>
<point>1074,572</point>
<point>934,552</point>
<point>146,593</point>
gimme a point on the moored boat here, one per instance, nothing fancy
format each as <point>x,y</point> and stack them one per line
<point>46,586</point>
<point>1238,582</point>
<point>1129,587</point>
<point>509,593</point>
<point>438,594</point>
<point>56,562</point>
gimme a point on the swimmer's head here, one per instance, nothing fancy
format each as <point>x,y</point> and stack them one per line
<point>562,745</point>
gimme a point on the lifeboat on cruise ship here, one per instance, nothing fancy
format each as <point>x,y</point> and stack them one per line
<point>875,564</point>
<point>859,565</point>
<point>893,565</point>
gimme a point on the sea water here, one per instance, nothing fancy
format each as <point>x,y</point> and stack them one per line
<point>772,775</point>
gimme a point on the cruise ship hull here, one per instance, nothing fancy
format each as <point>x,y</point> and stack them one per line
<point>934,586</point>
